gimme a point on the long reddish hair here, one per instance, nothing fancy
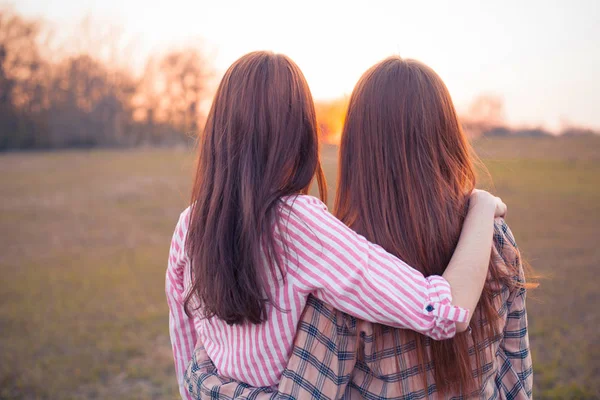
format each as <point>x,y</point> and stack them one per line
<point>406,172</point>
<point>260,144</point>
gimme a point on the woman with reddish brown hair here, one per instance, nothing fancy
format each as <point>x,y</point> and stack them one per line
<point>401,120</point>
<point>253,246</point>
<point>405,178</point>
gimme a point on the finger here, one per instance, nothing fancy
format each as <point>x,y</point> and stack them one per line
<point>502,208</point>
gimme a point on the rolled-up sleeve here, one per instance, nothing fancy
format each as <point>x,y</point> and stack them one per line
<point>439,306</point>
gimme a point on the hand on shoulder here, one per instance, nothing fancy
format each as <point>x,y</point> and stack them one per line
<point>485,199</point>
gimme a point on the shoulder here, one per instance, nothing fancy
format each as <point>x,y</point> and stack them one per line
<point>306,202</point>
<point>184,217</point>
<point>505,254</point>
<point>502,232</point>
<point>184,221</point>
<point>305,208</point>
<point>309,216</point>
<point>181,230</point>
<point>504,242</point>
<point>177,254</point>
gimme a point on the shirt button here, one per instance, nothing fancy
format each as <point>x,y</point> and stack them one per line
<point>429,308</point>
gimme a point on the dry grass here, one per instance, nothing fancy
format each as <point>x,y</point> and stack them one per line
<point>84,241</point>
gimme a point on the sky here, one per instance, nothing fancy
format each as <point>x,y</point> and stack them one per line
<point>541,57</point>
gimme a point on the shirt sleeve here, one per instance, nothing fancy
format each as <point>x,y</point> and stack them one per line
<point>360,278</point>
<point>517,371</point>
<point>181,327</point>
<point>515,344</point>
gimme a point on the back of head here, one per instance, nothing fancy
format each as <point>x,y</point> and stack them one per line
<point>403,142</point>
<point>260,144</point>
<point>406,172</point>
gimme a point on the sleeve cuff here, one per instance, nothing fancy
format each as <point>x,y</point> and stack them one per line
<point>439,302</point>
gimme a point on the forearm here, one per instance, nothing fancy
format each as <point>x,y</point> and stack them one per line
<point>467,271</point>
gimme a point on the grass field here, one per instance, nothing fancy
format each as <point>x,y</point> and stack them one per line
<point>84,242</point>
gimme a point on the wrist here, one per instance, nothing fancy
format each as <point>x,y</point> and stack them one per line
<point>482,201</point>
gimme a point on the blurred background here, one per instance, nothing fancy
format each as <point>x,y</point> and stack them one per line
<point>100,103</point>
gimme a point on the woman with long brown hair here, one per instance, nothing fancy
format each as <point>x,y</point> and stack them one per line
<point>401,119</point>
<point>253,245</point>
<point>406,172</point>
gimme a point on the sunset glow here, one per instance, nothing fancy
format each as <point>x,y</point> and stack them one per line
<point>540,57</point>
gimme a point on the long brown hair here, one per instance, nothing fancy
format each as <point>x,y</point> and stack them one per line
<point>260,144</point>
<point>406,172</point>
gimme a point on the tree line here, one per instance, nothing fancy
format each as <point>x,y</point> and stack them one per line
<point>85,93</point>
<point>55,98</point>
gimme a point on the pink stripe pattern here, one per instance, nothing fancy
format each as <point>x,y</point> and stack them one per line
<point>323,257</point>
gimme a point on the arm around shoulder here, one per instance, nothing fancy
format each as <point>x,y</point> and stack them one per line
<point>468,268</point>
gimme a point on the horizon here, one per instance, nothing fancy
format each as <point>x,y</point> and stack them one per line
<point>519,53</point>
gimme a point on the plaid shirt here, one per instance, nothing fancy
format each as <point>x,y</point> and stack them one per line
<point>338,356</point>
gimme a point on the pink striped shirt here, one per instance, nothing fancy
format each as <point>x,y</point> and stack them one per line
<point>326,258</point>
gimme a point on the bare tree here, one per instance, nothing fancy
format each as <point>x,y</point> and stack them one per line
<point>21,74</point>
<point>86,94</point>
<point>184,74</point>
